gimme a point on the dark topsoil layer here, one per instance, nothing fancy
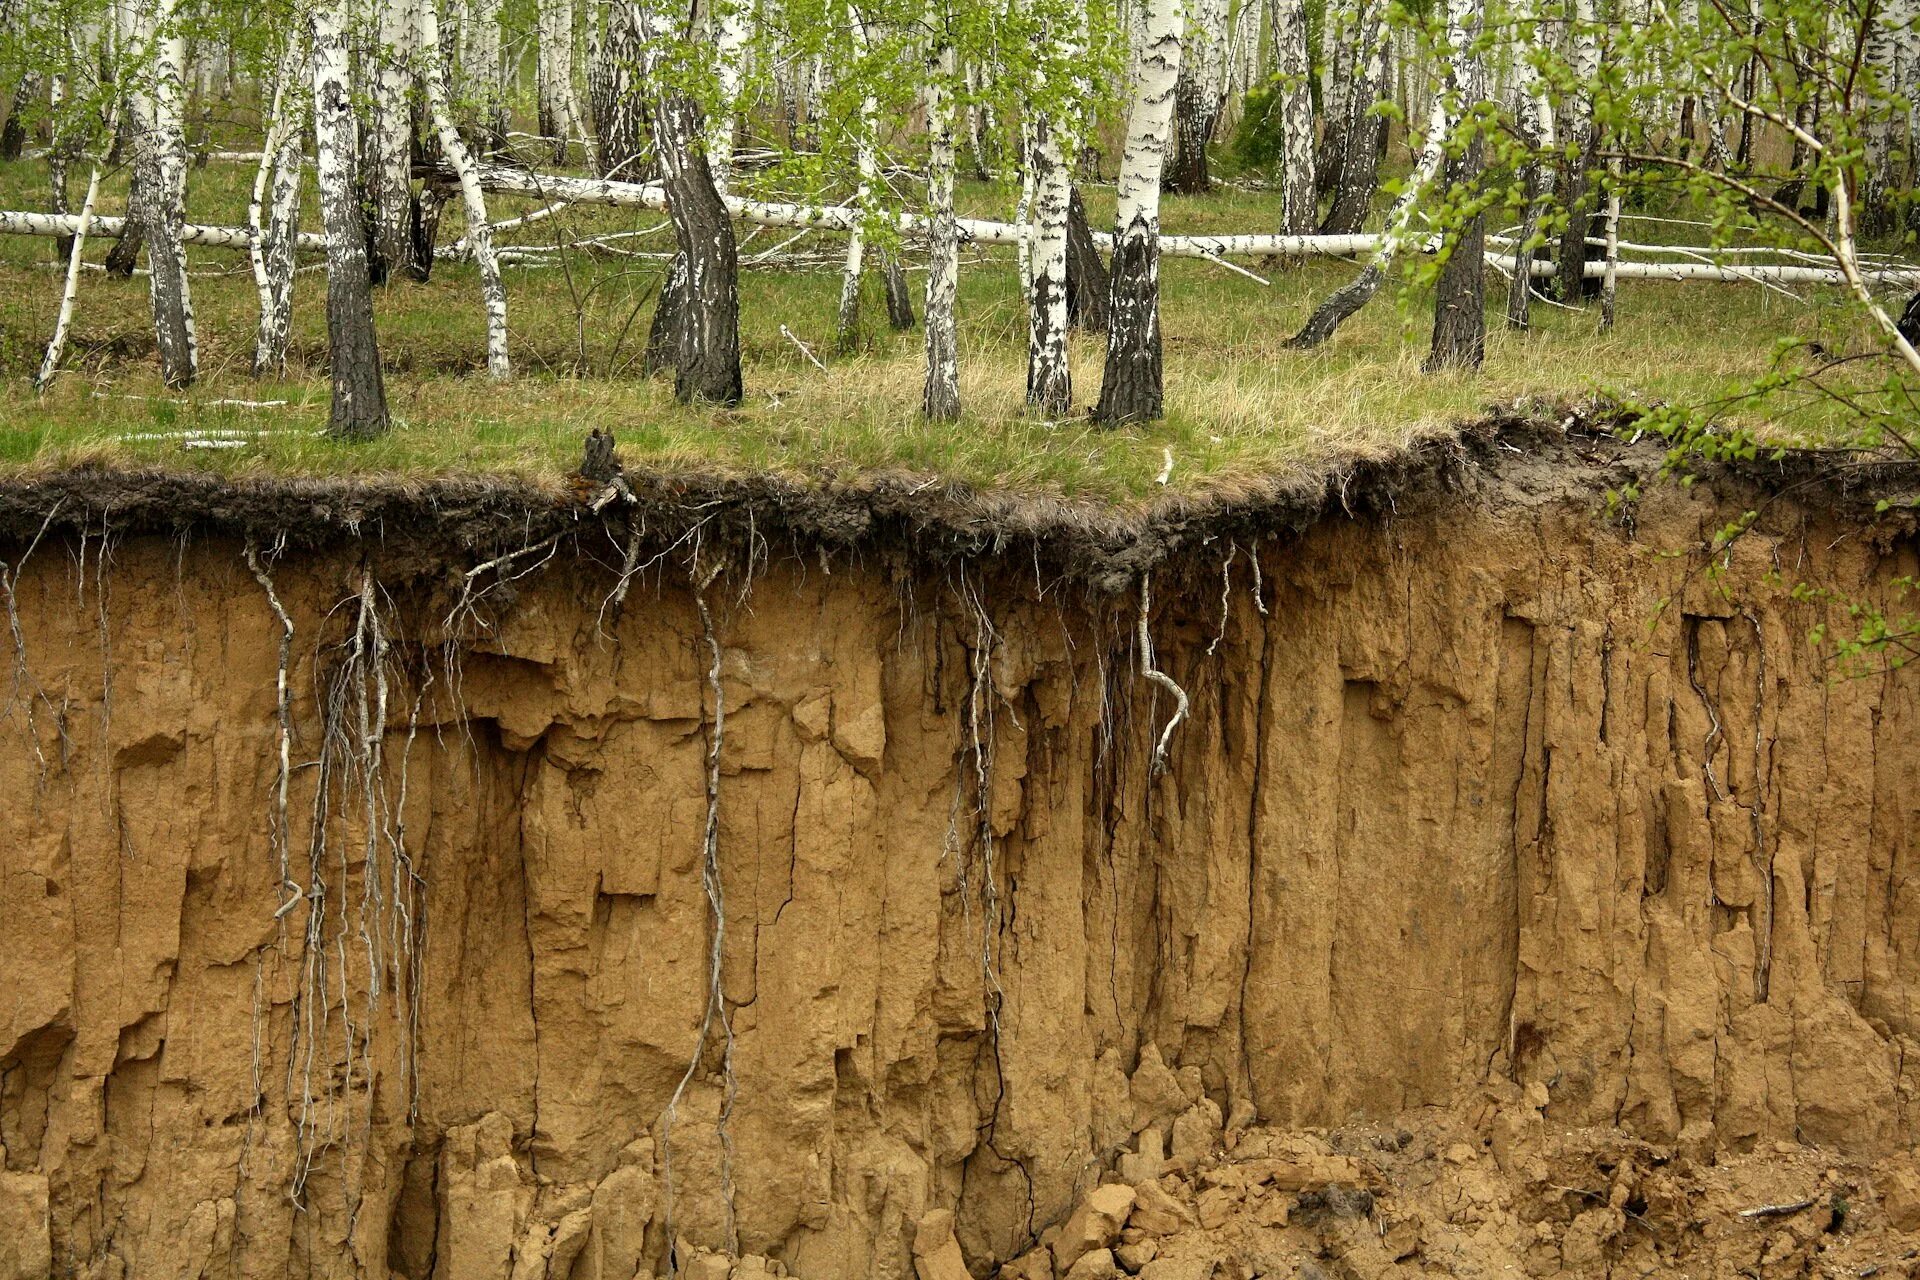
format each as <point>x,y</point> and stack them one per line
<point>1515,456</point>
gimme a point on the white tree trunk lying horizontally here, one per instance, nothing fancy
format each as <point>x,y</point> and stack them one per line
<point>980,231</point>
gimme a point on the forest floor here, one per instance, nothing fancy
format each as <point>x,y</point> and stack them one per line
<point>1240,406</point>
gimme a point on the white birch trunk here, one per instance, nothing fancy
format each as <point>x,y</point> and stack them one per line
<point>164,152</point>
<point>867,169</point>
<point>559,108</point>
<point>941,401</point>
<point>392,133</point>
<point>732,25</point>
<point>1300,192</point>
<point>482,71</point>
<point>359,393</point>
<point>273,211</point>
<point>1131,388</point>
<point>493,294</point>
<point>63,321</point>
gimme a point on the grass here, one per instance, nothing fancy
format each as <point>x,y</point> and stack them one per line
<point>1240,405</point>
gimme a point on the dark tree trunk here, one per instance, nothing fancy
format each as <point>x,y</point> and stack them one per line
<point>899,298</point>
<point>663,332</point>
<point>1087,284</point>
<point>621,148</point>
<point>1573,243</point>
<point>707,344</point>
<point>1330,158</point>
<point>1460,298</point>
<point>125,253</point>
<point>1333,312</point>
<point>1743,149</point>
<point>1359,175</point>
<point>423,233</point>
<point>13,136</point>
<point>1193,121</point>
<point>1131,387</point>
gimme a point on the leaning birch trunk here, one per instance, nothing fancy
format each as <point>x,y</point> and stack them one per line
<point>274,212</point>
<point>164,157</point>
<point>359,393</point>
<point>867,170</point>
<point>1534,113</point>
<point>731,27</point>
<point>76,246</point>
<point>390,182</point>
<point>1345,301</point>
<point>1585,38</point>
<point>1460,302</point>
<point>1300,192</point>
<point>493,294</point>
<point>941,399</point>
<point>1130,385</point>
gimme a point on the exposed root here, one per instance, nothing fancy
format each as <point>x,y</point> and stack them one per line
<point>280,833</point>
<point>23,682</point>
<point>1226,589</point>
<point>716,1009</point>
<point>1159,677</point>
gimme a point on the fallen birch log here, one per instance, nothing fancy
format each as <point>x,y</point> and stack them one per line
<point>68,224</point>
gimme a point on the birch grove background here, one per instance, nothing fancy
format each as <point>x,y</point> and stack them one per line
<point>1475,164</point>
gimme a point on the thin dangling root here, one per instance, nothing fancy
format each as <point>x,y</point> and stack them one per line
<point>23,681</point>
<point>1158,677</point>
<point>283,710</point>
<point>716,1007</point>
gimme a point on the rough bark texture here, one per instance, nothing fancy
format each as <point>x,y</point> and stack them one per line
<point>1445,813</point>
<point>899,297</point>
<point>353,355</point>
<point>163,161</point>
<point>1460,294</point>
<point>1363,138</point>
<point>389,141</point>
<point>1299,189</point>
<point>1130,385</point>
<point>1049,375</point>
<point>1087,283</point>
<point>940,398</point>
<point>621,148</point>
<point>663,330</point>
<point>707,332</point>
<point>275,208</point>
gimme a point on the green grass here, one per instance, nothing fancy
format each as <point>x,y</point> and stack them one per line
<point>1240,406</point>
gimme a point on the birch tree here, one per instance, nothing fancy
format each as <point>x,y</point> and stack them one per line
<point>731,21</point>
<point>1460,315</point>
<point>162,159</point>
<point>866,172</point>
<point>558,107</point>
<point>1300,206</point>
<point>1533,115</point>
<point>493,293</point>
<point>390,180</point>
<point>273,213</point>
<point>1355,177</point>
<point>359,391</point>
<point>1584,43</point>
<point>1056,123</point>
<point>1340,305</point>
<point>940,400</point>
<point>1130,385</point>
<point>1197,95</point>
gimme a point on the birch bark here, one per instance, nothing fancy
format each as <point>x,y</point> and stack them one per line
<point>1131,383</point>
<point>1300,211</point>
<point>941,399</point>
<point>1343,302</point>
<point>493,294</point>
<point>558,108</point>
<point>1460,312</point>
<point>867,169</point>
<point>359,392</point>
<point>164,160</point>
<point>391,143</point>
<point>1533,111</point>
<point>1196,97</point>
<point>1585,64</point>
<point>273,213</point>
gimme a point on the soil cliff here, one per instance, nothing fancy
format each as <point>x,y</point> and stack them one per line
<point>372,909</point>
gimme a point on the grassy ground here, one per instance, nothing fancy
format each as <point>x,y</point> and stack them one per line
<point>1239,404</point>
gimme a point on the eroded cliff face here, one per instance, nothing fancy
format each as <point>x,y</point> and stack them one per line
<point>1456,800</point>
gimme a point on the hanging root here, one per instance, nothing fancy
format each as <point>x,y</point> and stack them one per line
<point>716,1009</point>
<point>23,684</point>
<point>1158,677</point>
<point>1226,588</point>
<point>380,939</point>
<point>280,833</point>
